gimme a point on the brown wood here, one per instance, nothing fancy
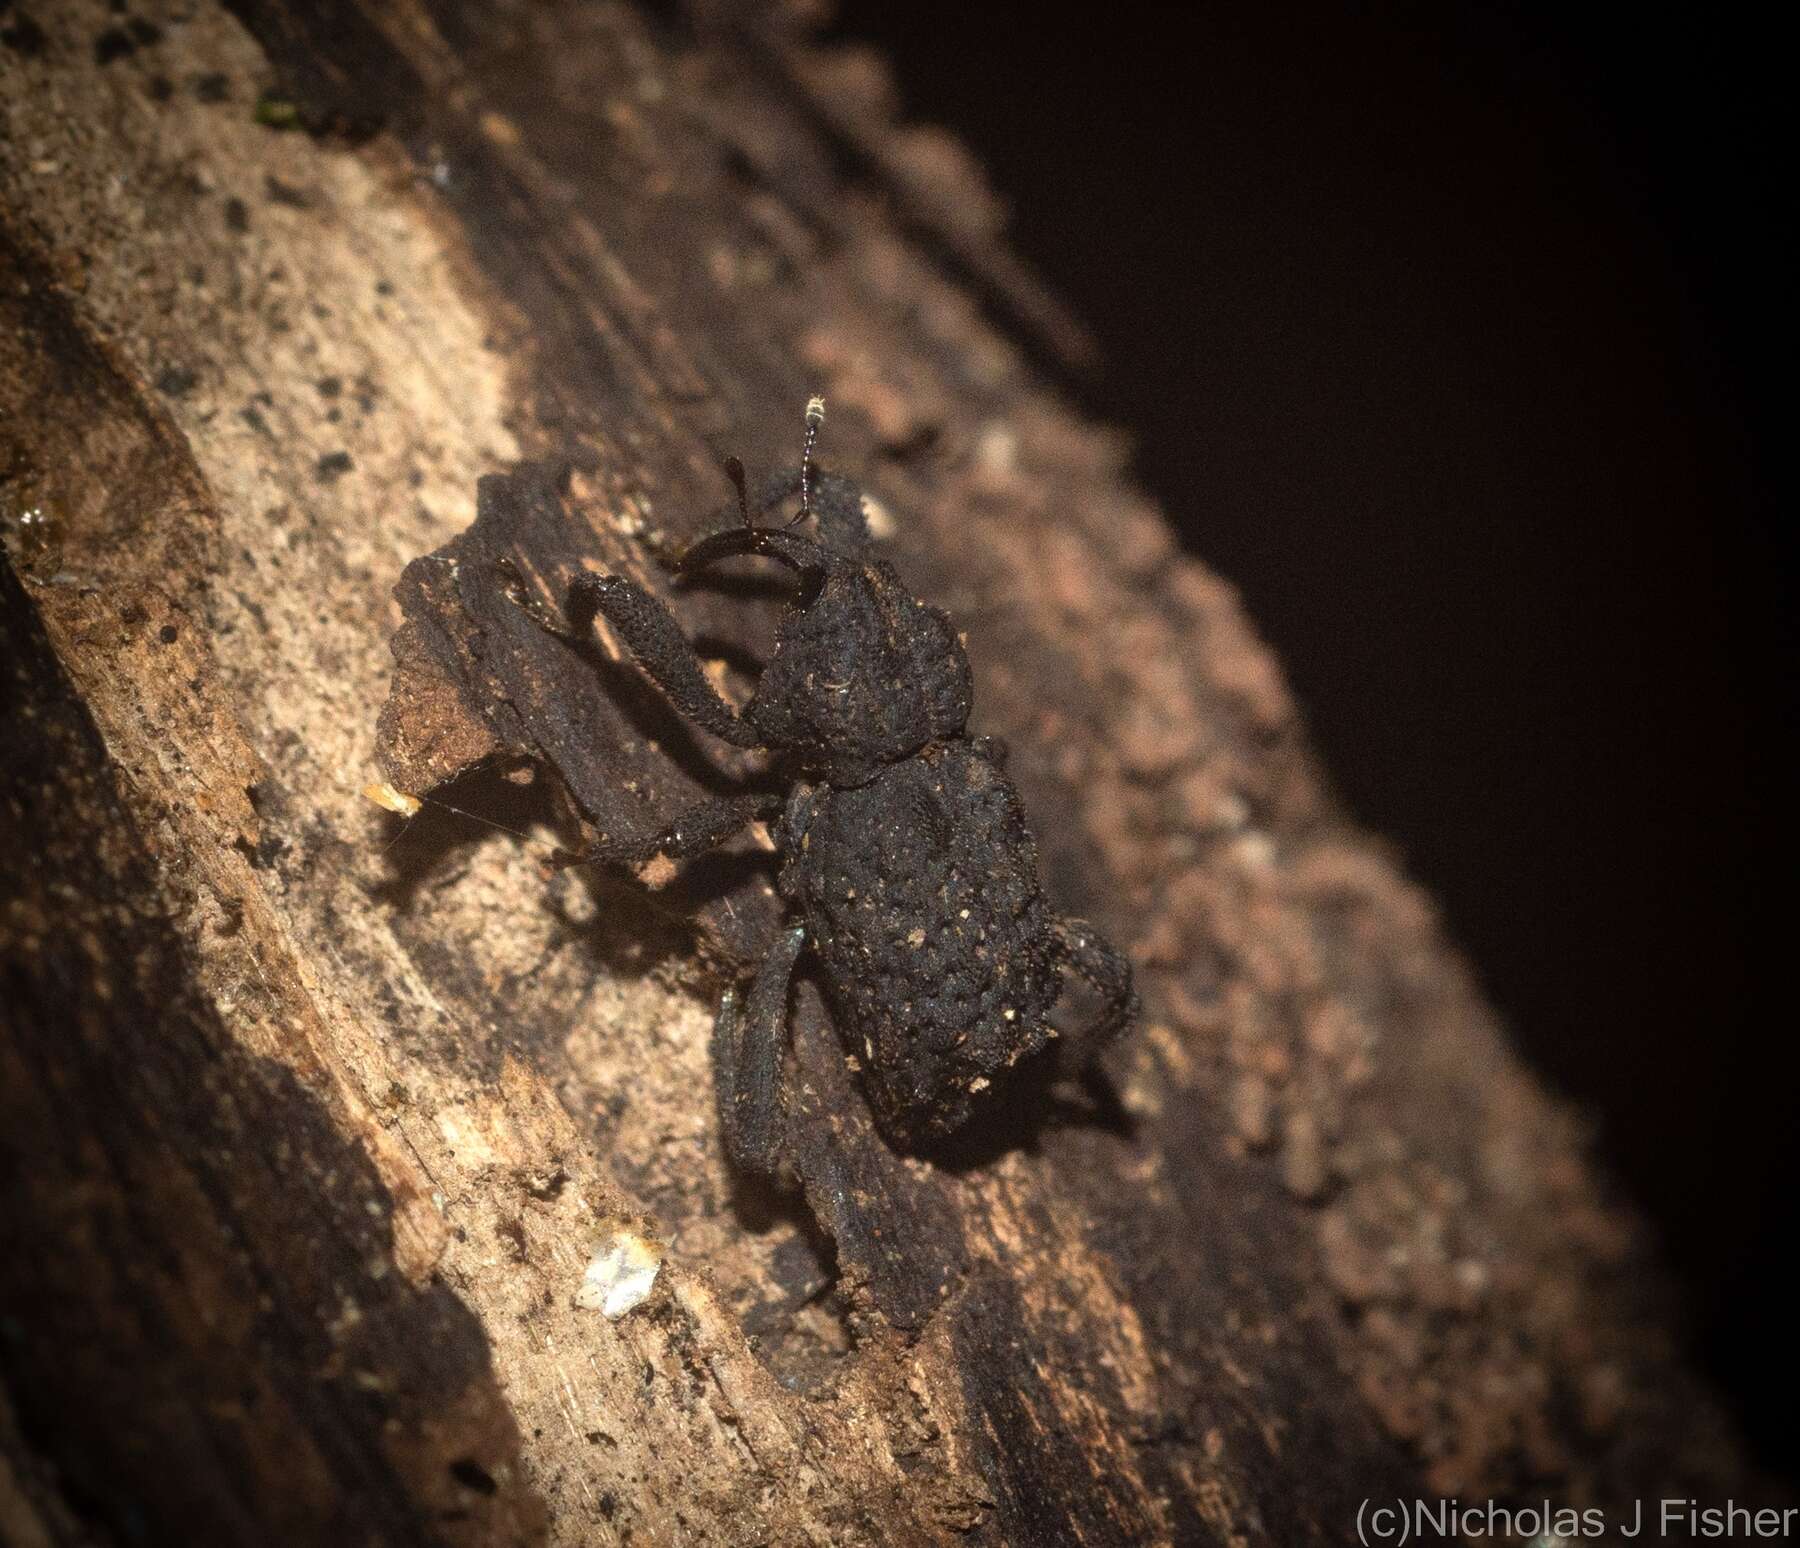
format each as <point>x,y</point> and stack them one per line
<point>311,1118</point>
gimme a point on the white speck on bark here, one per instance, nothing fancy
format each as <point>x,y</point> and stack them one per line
<point>619,1276</point>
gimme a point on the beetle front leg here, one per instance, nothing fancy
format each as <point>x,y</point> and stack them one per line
<point>651,633</point>
<point>1105,969</point>
<point>662,650</point>
<point>747,1048</point>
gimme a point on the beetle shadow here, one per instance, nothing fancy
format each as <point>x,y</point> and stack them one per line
<point>633,927</point>
<point>804,1273</point>
<point>738,657</point>
<point>1037,1101</point>
<point>759,1204</point>
<point>505,795</point>
<point>776,587</point>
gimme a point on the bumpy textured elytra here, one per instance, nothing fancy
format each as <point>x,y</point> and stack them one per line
<point>905,855</point>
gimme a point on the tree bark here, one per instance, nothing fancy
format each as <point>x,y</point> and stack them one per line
<point>313,1119</point>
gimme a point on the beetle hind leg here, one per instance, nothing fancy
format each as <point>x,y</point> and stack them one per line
<point>749,1040</point>
<point>1099,964</point>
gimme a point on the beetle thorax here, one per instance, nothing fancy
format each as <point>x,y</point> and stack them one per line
<point>863,675</point>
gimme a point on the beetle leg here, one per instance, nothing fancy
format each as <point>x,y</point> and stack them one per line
<point>694,832</point>
<point>747,1049</point>
<point>790,837</point>
<point>649,629</point>
<point>994,749</point>
<point>1104,968</point>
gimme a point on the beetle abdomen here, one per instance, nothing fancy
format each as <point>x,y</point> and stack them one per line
<point>922,901</point>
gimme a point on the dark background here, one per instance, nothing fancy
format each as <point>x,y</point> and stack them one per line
<point>1445,332</point>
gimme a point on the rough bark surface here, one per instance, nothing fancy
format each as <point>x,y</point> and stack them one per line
<point>312,1118</point>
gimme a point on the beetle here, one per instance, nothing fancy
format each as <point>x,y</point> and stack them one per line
<point>905,856</point>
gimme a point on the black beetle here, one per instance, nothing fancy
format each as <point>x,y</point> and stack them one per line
<point>905,854</point>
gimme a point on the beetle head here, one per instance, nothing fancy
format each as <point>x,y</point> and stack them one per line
<point>863,673</point>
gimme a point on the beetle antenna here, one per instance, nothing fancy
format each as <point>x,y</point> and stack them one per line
<point>815,416</point>
<point>734,470</point>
